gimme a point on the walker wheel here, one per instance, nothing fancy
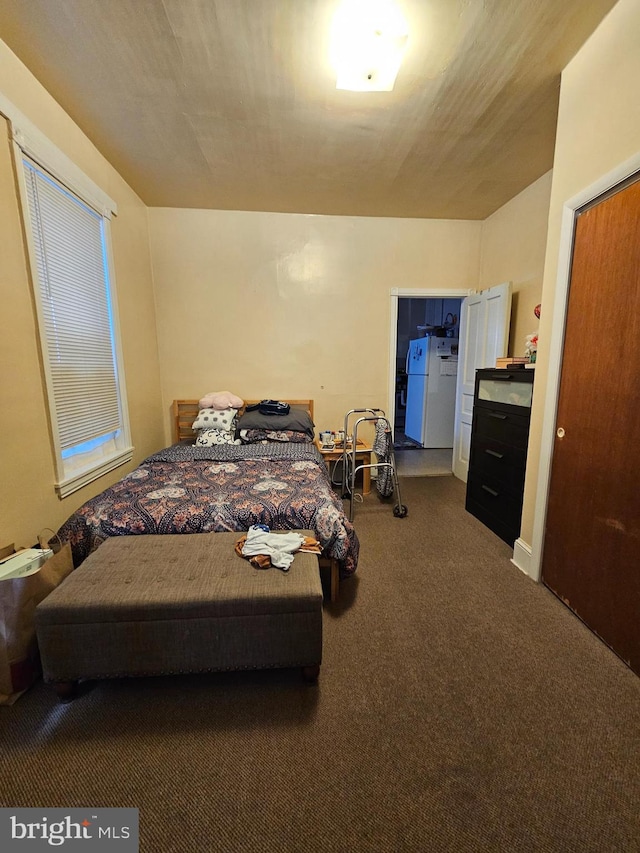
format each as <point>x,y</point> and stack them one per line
<point>400,511</point>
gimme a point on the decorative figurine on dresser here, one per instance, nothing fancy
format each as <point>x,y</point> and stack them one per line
<point>498,456</point>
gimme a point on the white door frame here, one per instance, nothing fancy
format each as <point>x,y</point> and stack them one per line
<point>405,293</point>
<point>556,345</point>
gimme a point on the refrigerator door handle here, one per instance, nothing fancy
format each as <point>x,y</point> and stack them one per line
<point>406,364</point>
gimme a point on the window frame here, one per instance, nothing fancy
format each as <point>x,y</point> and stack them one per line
<point>72,472</point>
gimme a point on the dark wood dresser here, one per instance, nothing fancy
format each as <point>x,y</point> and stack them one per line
<point>498,456</point>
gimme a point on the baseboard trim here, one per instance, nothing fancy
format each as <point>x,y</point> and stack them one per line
<point>522,558</point>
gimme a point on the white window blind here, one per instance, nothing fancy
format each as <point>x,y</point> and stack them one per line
<point>69,250</point>
<point>71,275</point>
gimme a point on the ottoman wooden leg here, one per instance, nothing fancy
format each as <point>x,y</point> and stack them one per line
<point>66,690</point>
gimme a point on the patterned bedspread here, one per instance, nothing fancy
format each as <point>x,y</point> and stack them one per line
<point>187,489</point>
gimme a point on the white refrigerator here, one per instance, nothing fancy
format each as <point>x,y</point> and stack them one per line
<point>432,366</point>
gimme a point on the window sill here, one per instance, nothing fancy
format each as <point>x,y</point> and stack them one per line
<point>70,485</point>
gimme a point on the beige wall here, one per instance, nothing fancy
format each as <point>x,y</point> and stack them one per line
<point>513,249</point>
<point>598,129</point>
<point>28,502</point>
<point>291,305</point>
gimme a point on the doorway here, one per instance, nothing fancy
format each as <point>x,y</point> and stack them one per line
<point>427,330</point>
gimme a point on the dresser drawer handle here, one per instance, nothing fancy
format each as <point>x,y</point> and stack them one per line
<point>494,453</point>
<point>491,491</point>
<point>498,416</point>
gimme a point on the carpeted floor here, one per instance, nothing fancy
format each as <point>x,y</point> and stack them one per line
<point>460,707</point>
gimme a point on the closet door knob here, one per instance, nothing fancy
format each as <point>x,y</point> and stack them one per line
<point>560,432</point>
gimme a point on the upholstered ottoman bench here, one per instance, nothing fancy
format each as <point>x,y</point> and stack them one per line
<point>155,605</point>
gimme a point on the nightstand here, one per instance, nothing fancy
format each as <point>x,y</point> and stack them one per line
<point>363,456</point>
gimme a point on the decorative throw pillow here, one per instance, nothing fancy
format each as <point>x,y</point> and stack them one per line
<point>223,419</point>
<point>210,437</point>
<point>220,400</point>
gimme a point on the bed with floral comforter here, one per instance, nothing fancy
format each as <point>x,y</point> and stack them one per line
<point>188,489</point>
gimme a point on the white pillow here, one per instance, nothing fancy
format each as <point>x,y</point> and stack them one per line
<point>209,437</point>
<point>222,419</point>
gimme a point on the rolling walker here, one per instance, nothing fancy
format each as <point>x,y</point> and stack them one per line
<point>387,478</point>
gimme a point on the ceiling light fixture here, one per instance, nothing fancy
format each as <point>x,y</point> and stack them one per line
<point>368,40</point>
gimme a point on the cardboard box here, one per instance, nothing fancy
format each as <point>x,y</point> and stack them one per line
<point>23,562</point>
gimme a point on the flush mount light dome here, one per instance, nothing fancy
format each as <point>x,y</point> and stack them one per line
<point>368,40</point>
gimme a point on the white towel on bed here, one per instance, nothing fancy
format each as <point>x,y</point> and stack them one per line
<point>279,547</point>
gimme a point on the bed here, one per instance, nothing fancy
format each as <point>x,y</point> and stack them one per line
<point>191,489</point>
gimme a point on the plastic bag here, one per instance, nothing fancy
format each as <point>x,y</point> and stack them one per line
<point>19,597</point>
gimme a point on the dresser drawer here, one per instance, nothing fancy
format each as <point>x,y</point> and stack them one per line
<point>500,426</point>
<point>503,463</point>
<point>487,499</point>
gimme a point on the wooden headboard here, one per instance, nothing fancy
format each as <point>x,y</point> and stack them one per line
<point>186,411</point>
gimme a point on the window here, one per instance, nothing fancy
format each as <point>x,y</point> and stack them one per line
<point>69,249</point>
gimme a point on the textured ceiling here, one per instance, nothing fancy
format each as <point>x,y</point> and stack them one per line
<point>232,104</point>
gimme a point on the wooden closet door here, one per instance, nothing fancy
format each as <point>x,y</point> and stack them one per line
<point>591,556</point>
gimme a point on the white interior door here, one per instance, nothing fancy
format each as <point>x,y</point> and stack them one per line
<point>484,336</point>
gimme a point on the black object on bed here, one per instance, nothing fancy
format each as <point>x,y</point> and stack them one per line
<point>269,407</point>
